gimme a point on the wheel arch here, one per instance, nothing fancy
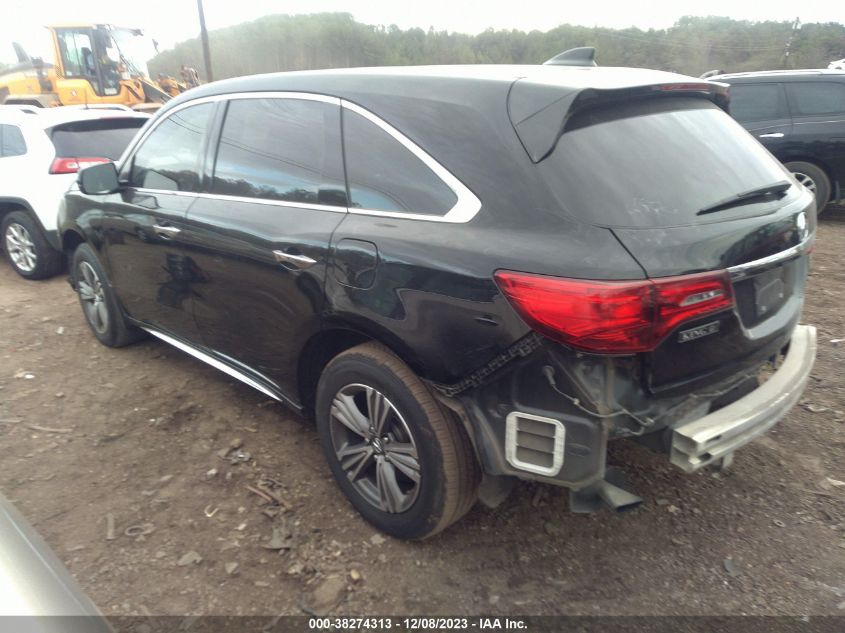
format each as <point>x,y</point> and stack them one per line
<point>71,239</point>
<point>10,205</point>
<point>336,337</point>
<point>813,160</point>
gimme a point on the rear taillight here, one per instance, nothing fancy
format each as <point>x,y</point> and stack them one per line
<point>619,317</point>
<point>73,165</point>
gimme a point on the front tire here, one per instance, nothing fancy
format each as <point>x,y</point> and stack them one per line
<point>98,301</point>
<point>813,178</point>
<point>403,460</point>
<point>27,249</point>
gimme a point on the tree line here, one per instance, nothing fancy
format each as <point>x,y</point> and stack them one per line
<point>692,46</point>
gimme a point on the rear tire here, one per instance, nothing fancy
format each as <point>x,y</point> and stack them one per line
<point>27,249</point>
<point>410,471</point>
<point>98,301</point>
<point>813,178</point>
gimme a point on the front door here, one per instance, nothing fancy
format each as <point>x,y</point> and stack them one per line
<point>142,224</point>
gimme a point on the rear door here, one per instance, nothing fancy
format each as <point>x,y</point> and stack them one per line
<point>260,238</point>
<point>142,223</point>
<point>762,110</point>
<point>818,111</point>
<point>668,178</point>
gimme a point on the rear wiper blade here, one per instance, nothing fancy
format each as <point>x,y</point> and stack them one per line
<point>777,189</point>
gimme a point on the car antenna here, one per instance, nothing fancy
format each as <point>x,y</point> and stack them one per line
<point>581,56</point>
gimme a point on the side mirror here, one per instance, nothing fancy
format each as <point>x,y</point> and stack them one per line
<point>98,179</point>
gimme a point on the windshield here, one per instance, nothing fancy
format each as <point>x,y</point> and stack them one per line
<point>657,164</point>
<point>134,50</point>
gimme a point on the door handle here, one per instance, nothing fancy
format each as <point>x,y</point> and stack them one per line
<point>772,135</point>
<point>167,232</point>
<point>298,261</point>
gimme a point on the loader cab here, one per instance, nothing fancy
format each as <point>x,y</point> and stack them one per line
<point>88,53</point>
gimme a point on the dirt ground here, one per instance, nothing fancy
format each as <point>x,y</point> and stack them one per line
<point>136,434</point>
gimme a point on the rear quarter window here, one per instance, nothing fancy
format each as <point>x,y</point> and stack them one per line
<point>384,175</point>
<point>105,138</point>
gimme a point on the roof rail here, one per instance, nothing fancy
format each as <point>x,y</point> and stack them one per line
<point>581,56</point>
<point>26,109</point>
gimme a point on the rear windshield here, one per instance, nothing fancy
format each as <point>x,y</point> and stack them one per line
<point>655,164</point>
<point>105,138</point>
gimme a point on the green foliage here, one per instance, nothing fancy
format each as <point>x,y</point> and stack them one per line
<point>335,40</point>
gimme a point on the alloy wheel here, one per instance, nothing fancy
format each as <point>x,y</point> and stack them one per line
<point>93,297</point>
<point>375,448</point>
<point>20,247</point>
<point>805,180</point>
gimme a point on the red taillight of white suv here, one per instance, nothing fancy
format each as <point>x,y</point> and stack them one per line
<point>73,165</point>
<point>616,317</point>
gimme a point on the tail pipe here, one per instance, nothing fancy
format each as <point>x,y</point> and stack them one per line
<point>609,493</point>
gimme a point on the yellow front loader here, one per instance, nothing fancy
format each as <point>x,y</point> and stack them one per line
<point>93,64</point>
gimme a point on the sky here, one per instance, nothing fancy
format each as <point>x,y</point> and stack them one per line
<point>173,21</point>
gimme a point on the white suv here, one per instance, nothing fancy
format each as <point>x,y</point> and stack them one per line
<point>41,149</point>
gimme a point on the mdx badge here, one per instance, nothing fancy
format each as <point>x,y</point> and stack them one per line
<point>697,332</point>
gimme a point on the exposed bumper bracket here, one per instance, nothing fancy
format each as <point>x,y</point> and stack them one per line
<point>717,435</point>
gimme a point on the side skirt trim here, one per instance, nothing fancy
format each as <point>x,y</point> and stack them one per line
<point>224,367</point>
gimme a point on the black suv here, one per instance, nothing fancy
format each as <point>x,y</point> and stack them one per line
<point>799,115</point>
<point>465,274</point>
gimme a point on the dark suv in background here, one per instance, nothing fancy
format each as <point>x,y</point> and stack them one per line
<point>799,115</point>
<point>463,272</point>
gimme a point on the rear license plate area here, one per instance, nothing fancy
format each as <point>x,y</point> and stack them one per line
<point>769,291</point>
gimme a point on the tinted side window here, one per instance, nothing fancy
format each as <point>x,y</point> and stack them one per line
<point>809,98</point>
<point>281,149</point>
<point>170,157</point>
<point>11,141</point>
<point>757,102</point>
<point>384,175</point>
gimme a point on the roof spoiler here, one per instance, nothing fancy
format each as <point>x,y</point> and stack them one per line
<point>539,112</point>
<point>582,56</point>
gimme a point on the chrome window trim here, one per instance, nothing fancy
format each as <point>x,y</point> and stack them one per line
<point>467,205</point>
<point>306,96</point>
<point>464,210</point>
<point>273,203</point>
<point>266,201</point>
<point>740,271</point>
<point>169,192</point>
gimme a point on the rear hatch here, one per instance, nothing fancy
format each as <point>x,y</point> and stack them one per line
<point>85,142</point>
<point>686,190</point>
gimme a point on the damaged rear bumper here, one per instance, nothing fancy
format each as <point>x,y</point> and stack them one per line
<point>718,434</point>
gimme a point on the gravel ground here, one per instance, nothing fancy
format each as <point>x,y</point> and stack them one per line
<point>116,456</point>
